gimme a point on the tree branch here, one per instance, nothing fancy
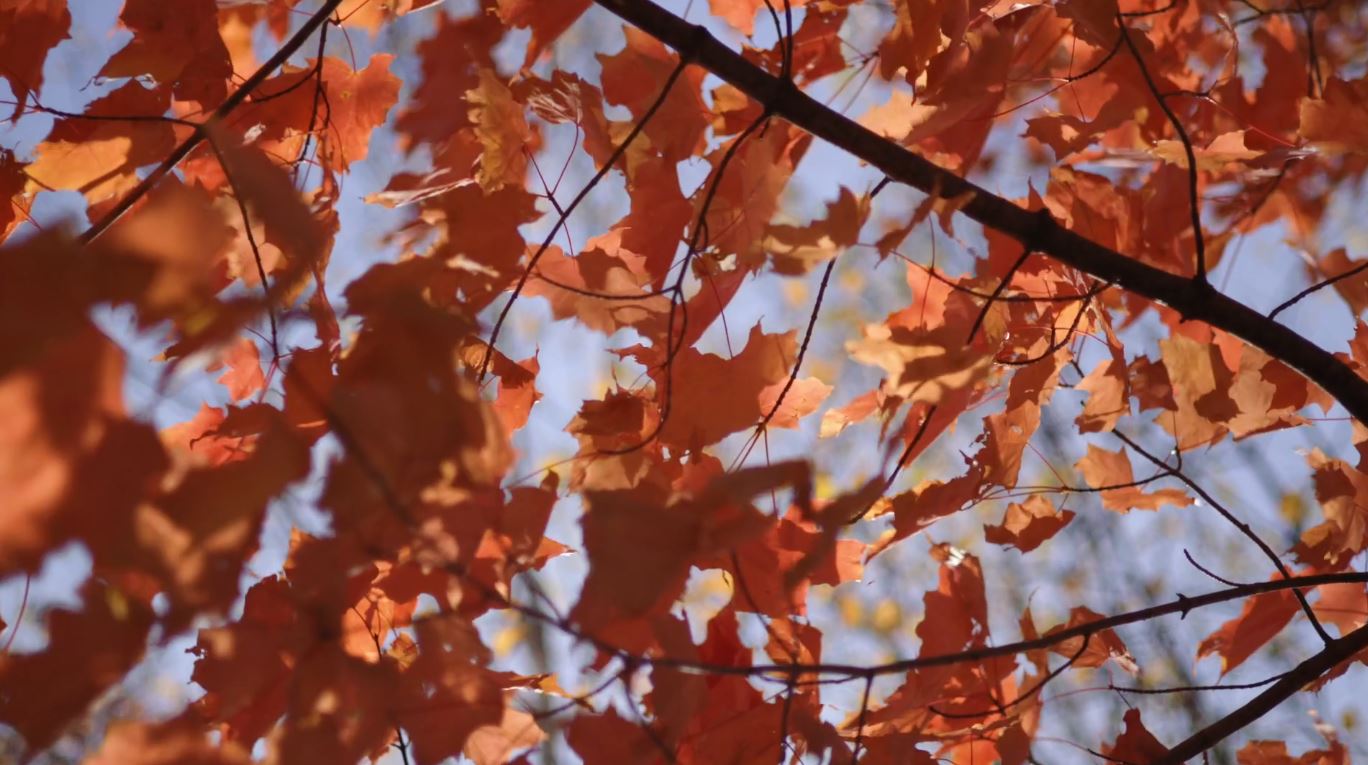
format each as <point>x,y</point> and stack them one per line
<point>1182,605</point>
<point>1191,298</point>
<point>1336,652</point>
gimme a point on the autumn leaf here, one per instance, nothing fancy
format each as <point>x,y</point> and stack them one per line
<point>1275,753</point>
<point>747,194</point>
<point>1095,649</point>
<point>837,419</point>
<point>501,129</point>
<point>289,223</point>
<point>1028,524</point>
<point>1261,619</point>
<point>798,249</point>
<point>921,366</point>
<point>712,397</point>
<point>448,669</point>
<point>633,76</point>
<point>371,16</point>
<point>27,32</point>
<point>184,239</point>
<point>1335,120</point>
<point>99,157</point>
<point>242,374</point>
<point>40,693</point>
<point>1108,389</point>
<point>175,741</point>
<point>1094,22</point>
<point>385,350</point>
<point>495,744</point>
<point>68,441</point>
<point>1136,743</point>
<point>804,397</point>
<point>1111,473</point>
<point>605,267</point>
<point>957,610</point>
<point>358,102</point>
<point>1344,531</point>
<point>453,56</point>
<point>641,574</point>
<point>547,18</point>
<point>245,666</point>
<point>177,46</point>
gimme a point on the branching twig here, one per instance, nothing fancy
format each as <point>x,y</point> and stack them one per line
<point>1241,526</point>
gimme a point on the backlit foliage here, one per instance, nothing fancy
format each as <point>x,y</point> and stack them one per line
<point>879,524</point>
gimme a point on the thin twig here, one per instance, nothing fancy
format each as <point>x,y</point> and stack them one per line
<point>1194,203</point>
<point>997,291</point>
<point>613,158</point>
<point>1297,298</point>
<point>256,249</point>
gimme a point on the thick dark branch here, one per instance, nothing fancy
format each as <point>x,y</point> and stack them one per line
<point>1338,651</point>
<point>229,104</point>
<point>1192,299</point>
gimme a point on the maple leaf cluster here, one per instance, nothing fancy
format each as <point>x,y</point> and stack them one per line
<point>1086,346</point>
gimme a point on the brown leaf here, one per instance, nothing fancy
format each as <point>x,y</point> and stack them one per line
<point>798,249</point>
<point>176,45</point>
<point>1028,525</point>
<point>40,693</point>
<point>182,237</point>
<point>1108,389</point>
<point>175,742</point>
<point>1111,472</point>
<point>99,157</point>
<point>712,397</point>
<point>641,543</point>
<point>748,192</point>
<point>358,102</point>
<point>1135,744</point>
<point>446,696</point>
<point>243,376</point>
<point>1096,649</point>
<point>66,443</point>
<point>547,18</point>
<point>1337,120</point>
<point>804,397</point>
<point>1260,620</point>
<point>502,131</point>
<point>27,32</point>
<point>634,77</point>
<point>496,744</point>
<point>269,193</point>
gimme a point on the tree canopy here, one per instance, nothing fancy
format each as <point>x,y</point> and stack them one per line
<point>750,381</point>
